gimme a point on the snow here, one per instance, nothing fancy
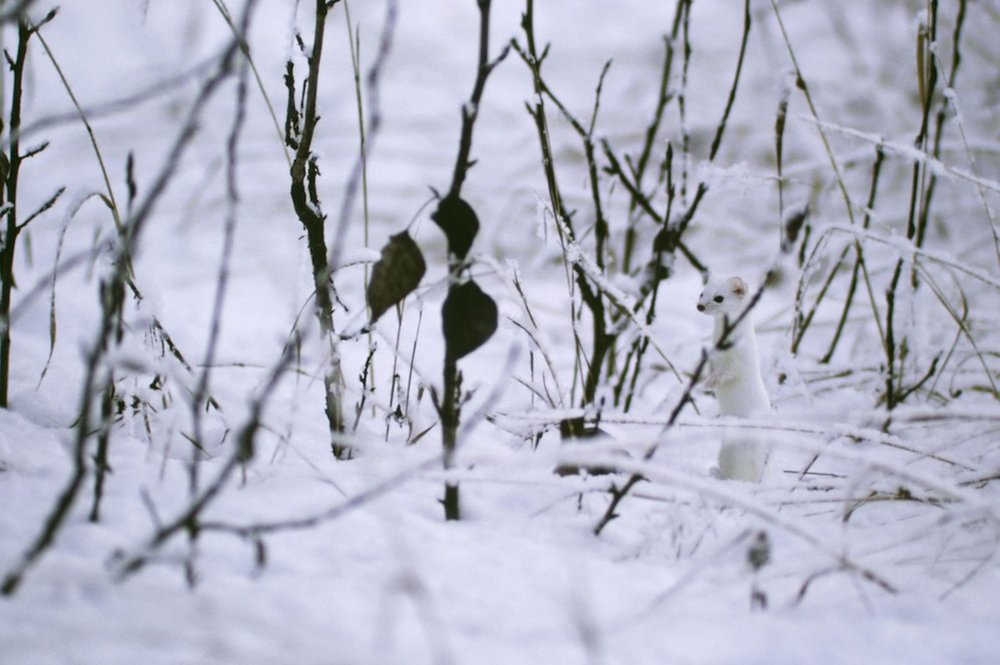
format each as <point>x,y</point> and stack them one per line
<point>883,529</point>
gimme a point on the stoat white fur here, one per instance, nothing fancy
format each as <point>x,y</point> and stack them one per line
<point>735,377</point>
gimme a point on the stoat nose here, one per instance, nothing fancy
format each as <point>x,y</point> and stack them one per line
<point>701,308</point>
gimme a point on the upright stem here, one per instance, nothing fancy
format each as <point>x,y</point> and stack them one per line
<point>470,111</point>
<point>449,410</point>
<point>942,116</point>
<point>602,340</point>
<point>306,203</point>
<point>449,434</point>
<point>890,340</point>
<point>927,82</point>
<point>8,197</point>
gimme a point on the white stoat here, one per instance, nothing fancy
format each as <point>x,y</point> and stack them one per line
<point>735,376</point>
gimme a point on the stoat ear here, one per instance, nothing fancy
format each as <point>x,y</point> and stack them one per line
<point>737,286</point>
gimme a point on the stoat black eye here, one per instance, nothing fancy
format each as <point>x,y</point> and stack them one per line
<point>719,298</point>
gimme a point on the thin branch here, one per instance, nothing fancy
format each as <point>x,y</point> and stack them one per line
<point>470,111</point>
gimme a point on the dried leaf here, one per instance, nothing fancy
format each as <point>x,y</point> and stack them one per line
<point>459,222</point>
<point>470,318</point>
<point>396,274</point>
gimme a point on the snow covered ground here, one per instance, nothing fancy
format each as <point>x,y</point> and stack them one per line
<point>876,534</point>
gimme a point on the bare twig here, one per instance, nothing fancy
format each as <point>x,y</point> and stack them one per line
<point>470,110</point>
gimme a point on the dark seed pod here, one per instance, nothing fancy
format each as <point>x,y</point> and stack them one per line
<point>459,222</point>
<point>396,274</point>
<point>470,318</point>
<point>793,222</point>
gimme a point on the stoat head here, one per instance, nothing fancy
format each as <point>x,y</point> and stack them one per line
<point>723,297</point>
